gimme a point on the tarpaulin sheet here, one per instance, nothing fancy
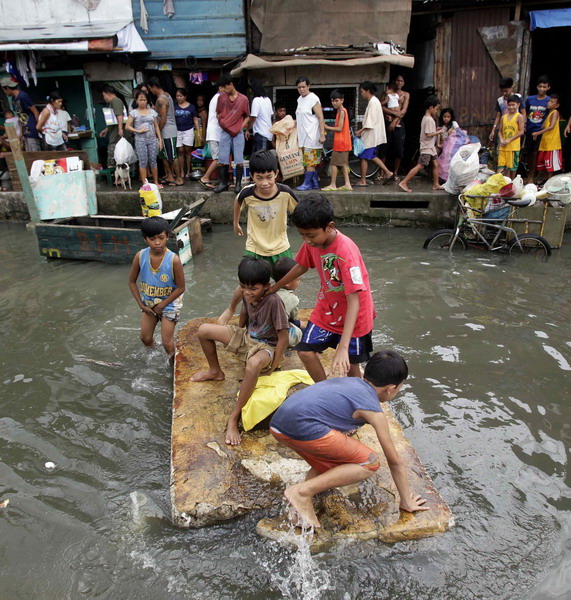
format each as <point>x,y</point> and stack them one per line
<point>559,17</point>
<point>300,23</point>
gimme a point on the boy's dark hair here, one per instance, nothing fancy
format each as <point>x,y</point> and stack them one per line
<point>254,271</point>
<point>263,161</point>
<point>155,82</point>
<point>279,104</point>
<point>108,89</point>
<point>9,111</point>
<point>313,212</point>
<point>282,267</point>
<point>431,101</point>
<point>225,79</point>
<point>543,79</point>
<point>555,97</point>
<point>337,94</point>
<point>258,90</point>
<point>514,98</point>
<point>386,368</point>
<point>152,226</point>
<point>506,82</point>
<point>368,86</point>
<point>443,112</point>
<point>302,79</point>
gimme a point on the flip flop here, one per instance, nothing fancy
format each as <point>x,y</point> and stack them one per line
<point>208,185</point>
<point>329,189</point>
<point>389,179</point>
<point>344,188</point>
<point>172,184</point>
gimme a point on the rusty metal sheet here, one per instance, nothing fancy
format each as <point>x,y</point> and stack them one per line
<point>211,482</point>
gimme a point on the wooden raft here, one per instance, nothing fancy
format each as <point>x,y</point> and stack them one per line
<point>211,482</point>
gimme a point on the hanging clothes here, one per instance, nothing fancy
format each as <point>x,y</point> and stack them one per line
<point>168,8</point>
<point>144,16</point>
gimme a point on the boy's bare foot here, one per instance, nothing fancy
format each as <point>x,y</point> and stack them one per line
<point>437,188</point>
<point>303,505</point>
<point>233,437</point>
<point>404,187</point>
<point>225,317</point>
<point>208,376</point>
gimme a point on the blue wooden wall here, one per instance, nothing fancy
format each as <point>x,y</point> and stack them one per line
<point>199,28</point>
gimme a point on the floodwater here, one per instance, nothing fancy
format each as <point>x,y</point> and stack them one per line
<point>487,407</point>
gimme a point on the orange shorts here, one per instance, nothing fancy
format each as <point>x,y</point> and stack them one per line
<point>333,449</point>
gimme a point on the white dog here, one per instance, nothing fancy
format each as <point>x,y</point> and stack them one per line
<point>122,175</point>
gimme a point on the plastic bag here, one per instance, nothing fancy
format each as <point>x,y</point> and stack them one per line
<point>290,156</point>
<point>124,153</point>
<point>151,201</point>
<point>358,146</point>
<point>464,167</point>
<point>456,138</point>
<point>206,153</point>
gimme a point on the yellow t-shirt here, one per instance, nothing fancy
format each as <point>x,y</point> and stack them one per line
<point>510,128</point>
<point>267,219</point>
<point>552,139</point>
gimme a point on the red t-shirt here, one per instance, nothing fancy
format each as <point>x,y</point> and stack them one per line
<point>342,139</point>
<point>231,114</point>
<point>342,271</point>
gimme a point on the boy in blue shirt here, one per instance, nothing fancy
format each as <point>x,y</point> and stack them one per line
<point>316,423</point>
<point>536,109</point>
<point>161,284</point>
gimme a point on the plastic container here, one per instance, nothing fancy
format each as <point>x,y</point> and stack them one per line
<point>245,175</point>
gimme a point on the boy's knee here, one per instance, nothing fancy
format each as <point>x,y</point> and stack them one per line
<point>146,339</point>
<point>373,464</point>
<point>306,355</point>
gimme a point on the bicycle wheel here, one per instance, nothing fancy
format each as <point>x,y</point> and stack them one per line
<point>530,244</point>
<point>355,167</point>
<point>441,241</point>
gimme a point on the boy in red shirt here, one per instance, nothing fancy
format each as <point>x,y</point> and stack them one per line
<point>341,143</point>
<point>344,313</point>
<point>233,112</point>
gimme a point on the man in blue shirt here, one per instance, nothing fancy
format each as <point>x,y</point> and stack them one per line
<point>27,113</point>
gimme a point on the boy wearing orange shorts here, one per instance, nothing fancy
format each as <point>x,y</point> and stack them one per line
<point>316,423</point>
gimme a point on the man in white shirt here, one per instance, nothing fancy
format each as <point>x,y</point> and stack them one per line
<point>213,131</point>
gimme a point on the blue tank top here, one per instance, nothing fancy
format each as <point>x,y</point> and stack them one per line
<point>156,284</point>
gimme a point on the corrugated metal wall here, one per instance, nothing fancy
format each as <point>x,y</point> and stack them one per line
<point>474,79</point>
<point>199,28</point>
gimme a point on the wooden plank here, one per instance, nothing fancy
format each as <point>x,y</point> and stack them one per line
<point>211,482</point>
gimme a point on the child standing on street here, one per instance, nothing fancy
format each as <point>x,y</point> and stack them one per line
<point>428,135</point>
<point>536,109</point>
<point>341,144</point>
<point>161,284</point>
<point>260,338</point>
<point>344,313</point>
<point>511,130</point>
<point>507,90</point>
<point>550,157</point>
<point>315,423</point>
<point>268,205</point>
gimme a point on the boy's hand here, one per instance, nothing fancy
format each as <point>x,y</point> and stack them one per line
<point>238,230</point>
<point>414,504</point>
<point>149,311</point>
<point>535,134</point>
<point>158,309</point>
<point>340,365</point>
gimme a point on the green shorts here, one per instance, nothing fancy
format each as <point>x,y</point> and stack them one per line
<point>272,260</point>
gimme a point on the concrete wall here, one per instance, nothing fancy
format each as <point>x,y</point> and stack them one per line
<point>362,208</point>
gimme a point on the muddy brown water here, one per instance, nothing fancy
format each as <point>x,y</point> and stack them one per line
<point>487,407</point>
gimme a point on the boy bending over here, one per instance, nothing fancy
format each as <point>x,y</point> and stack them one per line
<point>344,313</point>
<point>161,284</point>
<point>260,338</point>
<point>316,421</point>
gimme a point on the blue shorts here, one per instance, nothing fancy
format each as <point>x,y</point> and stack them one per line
<point>316,339</point>
<point>368,153</point>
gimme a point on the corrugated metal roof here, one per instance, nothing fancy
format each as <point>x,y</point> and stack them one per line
<point>29,20</point>
<point>199,28</point>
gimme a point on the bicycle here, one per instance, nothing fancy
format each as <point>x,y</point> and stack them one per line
<point>490,230</point>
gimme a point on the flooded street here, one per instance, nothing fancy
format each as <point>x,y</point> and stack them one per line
<point>487,407</point>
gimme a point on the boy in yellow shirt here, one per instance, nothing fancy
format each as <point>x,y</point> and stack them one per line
<point>550,156</point>
<point>511,130</point>
<point>268,204</point>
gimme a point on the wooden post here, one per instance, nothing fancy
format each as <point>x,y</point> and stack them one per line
<point>517,13</point>
<point>14,142</point>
